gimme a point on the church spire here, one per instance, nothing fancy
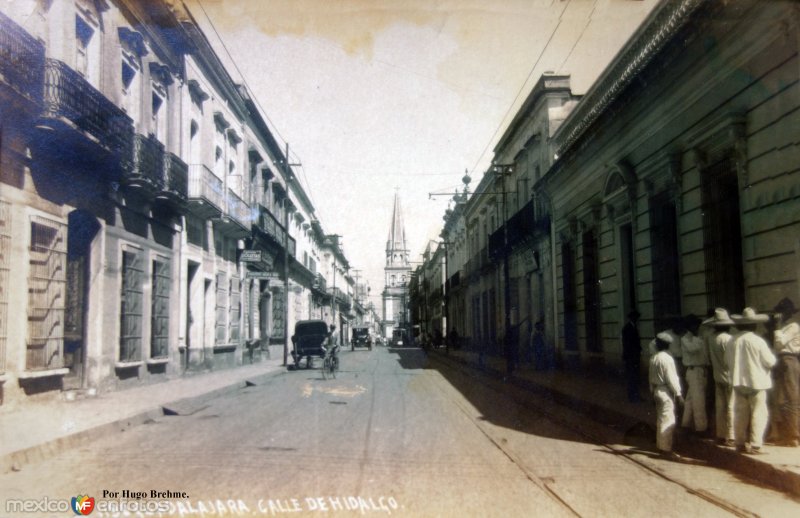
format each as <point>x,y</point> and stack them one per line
<point>396,249</point>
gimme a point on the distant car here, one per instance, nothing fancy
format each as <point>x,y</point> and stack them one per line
<point>361,338</point>
<point>308,339</point>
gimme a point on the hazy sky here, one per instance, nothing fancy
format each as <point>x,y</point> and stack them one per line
<point>374,95</point>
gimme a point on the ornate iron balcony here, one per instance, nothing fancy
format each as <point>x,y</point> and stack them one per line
<point>176,178</point>
<point>205,186</point>
<point>68,96</point>
<point>148,163</point>
<point>238,209</point>
<point>21,60</point>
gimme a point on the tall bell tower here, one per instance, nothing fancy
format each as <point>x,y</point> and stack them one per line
<point>397,274</point>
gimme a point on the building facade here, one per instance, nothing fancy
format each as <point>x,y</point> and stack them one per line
<point>150,224</point>
<point>671,187</point>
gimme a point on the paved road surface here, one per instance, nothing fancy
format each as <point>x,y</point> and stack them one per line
<point>394,434</point>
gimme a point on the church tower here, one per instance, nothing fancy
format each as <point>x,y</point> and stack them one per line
<point>397,274</point>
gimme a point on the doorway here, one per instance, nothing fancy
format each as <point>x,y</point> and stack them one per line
<point>82,228</point>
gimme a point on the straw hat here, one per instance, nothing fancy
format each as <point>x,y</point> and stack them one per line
<point>785,307</point>
<point>664,337</point>
<point>720,318</point>
<point>749,316</point>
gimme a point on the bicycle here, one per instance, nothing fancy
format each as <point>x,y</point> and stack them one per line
<point>331,363</point>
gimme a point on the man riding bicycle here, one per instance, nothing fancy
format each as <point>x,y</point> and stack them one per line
<point>331,348</point>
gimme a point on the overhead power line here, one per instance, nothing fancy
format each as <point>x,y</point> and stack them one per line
<point>255,97</point>
<point>521,89</point>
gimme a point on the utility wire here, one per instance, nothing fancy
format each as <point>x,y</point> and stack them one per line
<point>588,22</point>
<point>521,89</point>
<point>255,98</point>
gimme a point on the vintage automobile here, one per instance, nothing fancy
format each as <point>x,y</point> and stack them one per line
<point>361,338</point>
<point>308,339</point>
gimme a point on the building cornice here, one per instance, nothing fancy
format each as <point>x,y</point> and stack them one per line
<point>651,37</point>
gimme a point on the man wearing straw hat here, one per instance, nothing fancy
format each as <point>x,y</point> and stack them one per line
<point>787,373</point>
<point>750,360</point>
<point>694,355</point>
<point>718,344</point>
<point>666,390</point>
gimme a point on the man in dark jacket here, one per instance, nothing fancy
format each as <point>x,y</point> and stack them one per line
<point>631,355</point>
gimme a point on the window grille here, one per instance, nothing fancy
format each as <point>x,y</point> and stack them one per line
<point>5,266</point>
<point>665,259</point>
<point>46,294</point>
<point>723,236</point>
<point>130,339</point>
<point>591,291</point>
<point>235,309</point>
<point>159,330</point>
<point>569,296</point>
<point>221,308</point>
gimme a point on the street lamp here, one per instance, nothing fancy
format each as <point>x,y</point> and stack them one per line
<point>501,171</point>
<point>287,168</point>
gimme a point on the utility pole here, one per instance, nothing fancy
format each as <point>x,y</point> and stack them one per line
<point>334,239</point>
<point>501,170</point>
<point>357,275</point>
<point>287,169</point>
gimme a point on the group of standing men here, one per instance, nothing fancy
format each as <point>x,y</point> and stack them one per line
<point>743,364</point>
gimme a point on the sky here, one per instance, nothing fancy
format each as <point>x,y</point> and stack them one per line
<point>384,96</point>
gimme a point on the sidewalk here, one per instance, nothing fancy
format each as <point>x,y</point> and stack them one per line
<point>40,430</point>
<point>604,399</point>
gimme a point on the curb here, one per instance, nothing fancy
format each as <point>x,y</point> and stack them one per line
<point>14,461</point>
<point>780,478</point>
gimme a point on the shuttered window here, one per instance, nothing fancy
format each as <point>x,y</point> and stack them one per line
<point>46,294</point>
<point>235,308</point>
<point>131,305</point>
<point>221,309</point>
<point>5,266</point>
<point>159,329</point>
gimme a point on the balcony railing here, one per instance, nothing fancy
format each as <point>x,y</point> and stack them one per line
<point>320,283</point>
<point>205,185</point>
<point>147,167</point>
<point>484,257</point>
<point>21,60</point>
<point>270,225</point>
<point>176,178</point>
<point>67,95</point>
<point>238,209</point>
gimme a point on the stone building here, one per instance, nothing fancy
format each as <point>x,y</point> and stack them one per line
<point>149,221</point>
<point>671,186</point>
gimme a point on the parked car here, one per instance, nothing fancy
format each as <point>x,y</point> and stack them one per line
<point>308,339</point>
<point>361,338</point>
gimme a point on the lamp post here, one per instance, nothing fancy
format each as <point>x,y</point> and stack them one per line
<point>501,171</point>
<point>287,168</point>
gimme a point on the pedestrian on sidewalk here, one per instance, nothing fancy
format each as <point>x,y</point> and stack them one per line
<point>719,342</point>
<point>632,355</point>
<point>750,360</point>
<point>512,348</point>
<point>540,356</point>
<point>787,373</point>
<point>666,391</point>
<point>695,360</point>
